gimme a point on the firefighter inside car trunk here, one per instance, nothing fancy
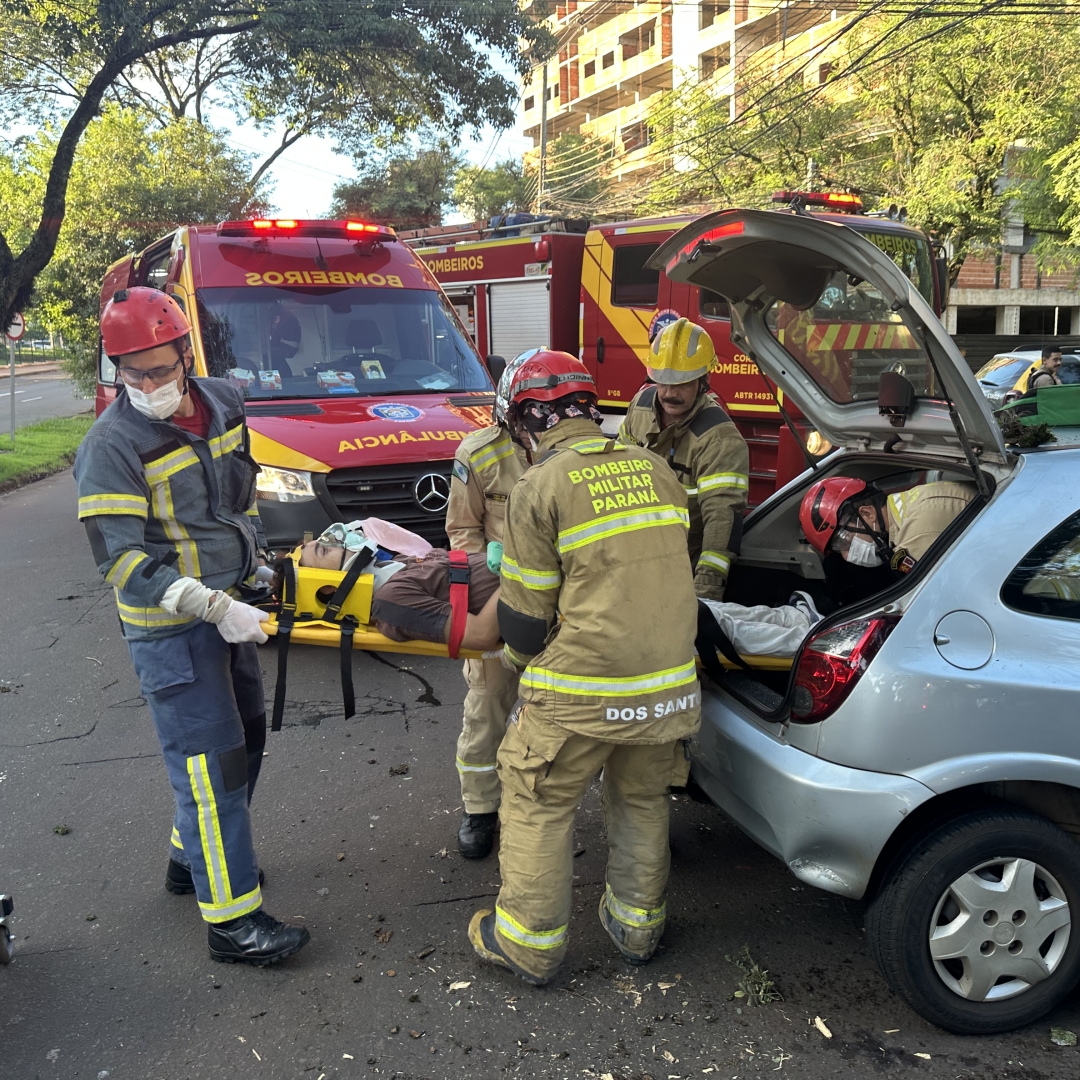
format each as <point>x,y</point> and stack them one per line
<point>595,551</point>
<point>167,496</point>
<point>681,421</point>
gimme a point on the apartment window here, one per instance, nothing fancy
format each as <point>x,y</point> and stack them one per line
<point>709,63</point>
<point>976,320</point>
<point>711,10</point>
<point>590,69</point>
<point>633,284</point>
<point>530,103</point>
<point>608,60</point>
<point>635,136</point>
<point>1038,321</point>
<point>638,40</point>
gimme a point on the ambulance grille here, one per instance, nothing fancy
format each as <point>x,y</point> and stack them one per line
<point>389,492</point>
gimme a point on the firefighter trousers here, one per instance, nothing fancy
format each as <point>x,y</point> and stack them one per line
<point>188,682</point>
<point>545,771</point>
<point>491,695</point>
<point>248,690</point>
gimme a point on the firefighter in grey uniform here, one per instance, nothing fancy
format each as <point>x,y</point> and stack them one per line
<point>487,465</point>
<point>680,420</point>
<point>167,496</point>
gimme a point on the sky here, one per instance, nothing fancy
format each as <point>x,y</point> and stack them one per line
<point>304,176</point>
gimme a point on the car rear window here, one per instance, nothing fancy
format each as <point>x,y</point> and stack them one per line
<point>1047,580</point>
<point>1003,370</point>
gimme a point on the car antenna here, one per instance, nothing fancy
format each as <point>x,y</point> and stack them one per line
<point>320,259</point>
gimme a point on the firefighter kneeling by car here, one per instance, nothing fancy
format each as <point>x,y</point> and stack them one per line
<point>598,609</point>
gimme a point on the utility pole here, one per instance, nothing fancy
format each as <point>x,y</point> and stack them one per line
<point>542,180</point>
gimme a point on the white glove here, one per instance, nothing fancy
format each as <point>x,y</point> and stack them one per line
<point>235,621</point>
<point>241,622</point>
<point>264,575</point>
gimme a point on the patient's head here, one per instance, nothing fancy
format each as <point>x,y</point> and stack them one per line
<point>322,556</point>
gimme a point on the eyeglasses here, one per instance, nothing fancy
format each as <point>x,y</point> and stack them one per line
<point>158,375</point>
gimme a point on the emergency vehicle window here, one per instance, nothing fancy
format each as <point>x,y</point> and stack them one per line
<point>633,284</point>
<point>155,269</point>
<point>1047,581</point>
<point>713,305</point>
<point>848,338</point>
<point>304,342</point>
<point>910,253</point>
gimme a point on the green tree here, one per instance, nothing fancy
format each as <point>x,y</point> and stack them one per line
<point>575,178</point>
<point>344,68</point>
<point>484,193</point>
<point>962,121</point>
<point>404,188</point>
<point>182,173</point>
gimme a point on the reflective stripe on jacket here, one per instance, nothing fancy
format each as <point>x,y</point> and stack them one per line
<point>711,461</point>
<point>488,463</point>
<point>919,515</point>
<point>160,503</point>
<point>596,546</point>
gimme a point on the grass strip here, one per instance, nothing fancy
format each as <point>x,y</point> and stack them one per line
<point>41,449</point>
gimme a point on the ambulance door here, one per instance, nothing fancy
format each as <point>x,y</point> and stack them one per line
<point>519,316</point>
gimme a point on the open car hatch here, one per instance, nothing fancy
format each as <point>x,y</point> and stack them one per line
<point>825,314</point>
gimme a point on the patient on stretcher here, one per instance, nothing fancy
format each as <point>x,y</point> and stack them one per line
<point>411,594</point>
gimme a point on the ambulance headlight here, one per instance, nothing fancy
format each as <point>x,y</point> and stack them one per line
<point>283,485</point>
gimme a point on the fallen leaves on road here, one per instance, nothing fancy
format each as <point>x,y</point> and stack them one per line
<point>415,1034</point>
<point>461,985</point>
<point>821,1026</point>
<point>384,937</point>
<point>1062,1037</point>
<point>926,1057</point>
<point>61,830</point>
<point>399,770</point>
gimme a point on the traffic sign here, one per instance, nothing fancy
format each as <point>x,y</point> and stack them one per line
<point>17,327</point>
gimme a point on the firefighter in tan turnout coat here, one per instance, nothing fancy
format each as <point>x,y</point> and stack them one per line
<point>595,552</point>
<point>487,465</point>
<point>679,419</point>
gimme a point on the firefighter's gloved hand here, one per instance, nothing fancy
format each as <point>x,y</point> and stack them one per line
<point>241,622</point>
<point>264,575</point>
<point>186,596</point>
<point>494,556</point>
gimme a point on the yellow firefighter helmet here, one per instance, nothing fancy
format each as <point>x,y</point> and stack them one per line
<point>681,353</point>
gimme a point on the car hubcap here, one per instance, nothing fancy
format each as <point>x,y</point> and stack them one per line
<point>999,929</point>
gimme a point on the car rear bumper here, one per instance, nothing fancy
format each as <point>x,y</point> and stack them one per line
<point>828,823</point>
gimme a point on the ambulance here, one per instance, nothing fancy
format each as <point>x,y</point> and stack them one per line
<point>591,291</point>
<point>359,377</point>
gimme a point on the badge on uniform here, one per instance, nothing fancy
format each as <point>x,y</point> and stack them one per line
<point>461,472</point>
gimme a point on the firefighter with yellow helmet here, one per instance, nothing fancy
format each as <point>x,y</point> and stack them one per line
<point>598,613</point>
<point>486,466</point>
<point>680,420</point>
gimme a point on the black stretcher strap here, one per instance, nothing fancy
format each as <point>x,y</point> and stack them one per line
<point>286,618</point>
<point>711,640</point>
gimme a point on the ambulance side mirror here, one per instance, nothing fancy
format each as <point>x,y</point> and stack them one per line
<point>496,365</point>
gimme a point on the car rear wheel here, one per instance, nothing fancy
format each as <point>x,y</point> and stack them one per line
<point>973,926</point>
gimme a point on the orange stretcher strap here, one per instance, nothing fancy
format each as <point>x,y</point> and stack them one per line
<point>459,599</point>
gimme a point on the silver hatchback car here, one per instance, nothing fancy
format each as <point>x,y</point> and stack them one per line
<point>923,750</point>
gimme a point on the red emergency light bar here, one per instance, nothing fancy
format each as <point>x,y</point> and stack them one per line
<point>340,230</point>
<point>841,201</point>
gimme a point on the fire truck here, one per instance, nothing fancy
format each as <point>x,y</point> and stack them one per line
<point>359,379</point>
<point>589,290</point>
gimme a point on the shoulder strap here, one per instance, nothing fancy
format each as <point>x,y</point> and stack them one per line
<point>459,599</point>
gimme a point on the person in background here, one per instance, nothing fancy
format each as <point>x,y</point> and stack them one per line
<point>167,497</point>
<point>487,465</point>
<point>678,419</point>
<point>1047,372</point>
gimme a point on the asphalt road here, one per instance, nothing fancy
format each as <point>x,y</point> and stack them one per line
<point>112,980</point>
<point>40,396</point>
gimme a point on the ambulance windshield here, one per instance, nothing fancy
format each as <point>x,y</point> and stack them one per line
<point>317,342</point>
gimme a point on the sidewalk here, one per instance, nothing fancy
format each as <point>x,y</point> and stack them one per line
<point>29,369</point>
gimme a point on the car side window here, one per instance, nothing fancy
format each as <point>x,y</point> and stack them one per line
<point>1047,581</point>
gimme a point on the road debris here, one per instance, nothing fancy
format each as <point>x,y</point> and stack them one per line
<point>460,985</point>
<point>821,1026</point>
<point>61,830</point>
<point>755,985</point>
<point>925,1057</point>
<point>1062,1037</point>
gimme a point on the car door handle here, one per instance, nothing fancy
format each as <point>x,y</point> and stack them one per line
<point>599,350</point>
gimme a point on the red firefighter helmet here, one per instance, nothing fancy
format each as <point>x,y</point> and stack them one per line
<point>819,514</point>
<point>548,376</point>
<point>141,318</point>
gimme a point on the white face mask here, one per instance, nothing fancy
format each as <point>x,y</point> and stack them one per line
<point>159,404</point>
<point>862,552</point>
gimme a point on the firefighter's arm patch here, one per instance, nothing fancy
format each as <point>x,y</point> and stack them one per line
<point>461,471</point>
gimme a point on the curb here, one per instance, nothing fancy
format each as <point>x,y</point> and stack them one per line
<point>29,369</point>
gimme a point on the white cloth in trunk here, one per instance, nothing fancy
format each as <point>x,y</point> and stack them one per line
<point>761,630</point>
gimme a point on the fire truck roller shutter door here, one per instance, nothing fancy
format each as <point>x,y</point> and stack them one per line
<point>519,316</point>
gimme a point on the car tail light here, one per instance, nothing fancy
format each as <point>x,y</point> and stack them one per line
<point>832,663</point>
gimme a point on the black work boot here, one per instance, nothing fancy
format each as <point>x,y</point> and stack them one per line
<point>476,835</point>
<point>257,939</point>
<point>178,879</point>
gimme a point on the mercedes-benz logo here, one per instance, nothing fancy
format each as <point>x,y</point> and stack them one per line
<point>432,492</point>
